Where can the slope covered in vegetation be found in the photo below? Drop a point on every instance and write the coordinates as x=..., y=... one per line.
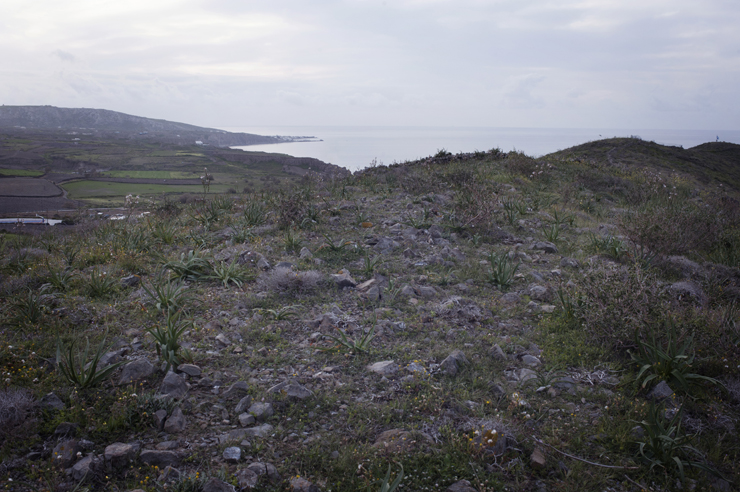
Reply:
x=483, y=321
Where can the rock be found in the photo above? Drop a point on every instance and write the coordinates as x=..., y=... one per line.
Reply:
x=427, y=292
x=278, y=387
x=232, y=454
x=539, y=293
x=232, y=435
x=569, y=263
x=216, y=485
x=223, y=340
x=545, y=246
x=243, y=404
x=461, y=486
x=343, y=279
x=565, y=382
x=159, y=418
x=112, y=357
x=537, y=459
x=417, y=369
x=263, y=430
x=305, y=254
x=86, y=467
x=295, y=390
x=520, y=375
x=130, y=281
x=65, y=453
x=400, y=440
x=497, y=353
x=236, y=389
x=510, y=298
x=261, y=411
x=263, y=264
x=190, y=370
x=687, y=267
x=660, y=392
x=637, y=432
x=366, y=285
x=119, y=454
x=173, y=386
x=158, y=458
x=267, y=469
x=246, y=420
x=687, y=289
x=169, y=474
x=247, y=478
x=299, y=484
x=176, y=422
x=531, y=360
x=66, y=429
x=136, y=370
x=384, y=368
x=496, y=389
x=373, y=294
x=167, y=445
x=453, y=363
x=385, y=245
x=408, y=291
x=51, y=402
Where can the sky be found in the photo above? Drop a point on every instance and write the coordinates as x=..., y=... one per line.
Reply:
x=662, y=64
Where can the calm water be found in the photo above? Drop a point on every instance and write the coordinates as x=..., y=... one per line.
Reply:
x=356, y=147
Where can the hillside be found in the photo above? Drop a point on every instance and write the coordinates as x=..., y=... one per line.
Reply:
x=474, y=322
x=718, y=161
x=100, y=168
x=106, y=122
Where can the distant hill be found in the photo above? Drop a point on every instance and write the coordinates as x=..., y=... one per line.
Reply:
x=103, y=120
x=712, y=160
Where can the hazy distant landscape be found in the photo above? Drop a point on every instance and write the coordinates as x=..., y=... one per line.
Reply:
x=97, y=158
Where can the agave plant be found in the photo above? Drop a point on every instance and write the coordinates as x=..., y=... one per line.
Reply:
x=78, y=371
x=667, y=361
x=167, y=338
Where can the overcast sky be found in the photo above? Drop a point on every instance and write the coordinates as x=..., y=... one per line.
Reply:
x=670, y=64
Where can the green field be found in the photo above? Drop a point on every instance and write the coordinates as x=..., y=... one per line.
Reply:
x=84, y=189
x=20, y=172
x=151, y=174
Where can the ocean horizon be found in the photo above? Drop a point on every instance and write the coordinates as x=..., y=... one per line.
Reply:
x=357, y=147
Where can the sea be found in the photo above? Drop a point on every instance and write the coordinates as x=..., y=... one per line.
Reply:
x=358, y=147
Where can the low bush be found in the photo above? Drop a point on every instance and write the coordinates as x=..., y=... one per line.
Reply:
x=285, y=280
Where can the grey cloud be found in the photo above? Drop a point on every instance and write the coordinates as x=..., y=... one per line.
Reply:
x=64, y=56
x=519, y=93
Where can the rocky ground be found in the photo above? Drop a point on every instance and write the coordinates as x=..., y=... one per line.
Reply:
x=465, y=322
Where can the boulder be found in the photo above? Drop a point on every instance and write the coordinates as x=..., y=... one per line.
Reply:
x=119, y=454
x=216, y=485
x=343, y=279
x=153, y=457
x=86, y=467
x=136, y=370
x=384, y=368
x=173, y=386
x=453, y=363
x=261, y=411
x=176, y=422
